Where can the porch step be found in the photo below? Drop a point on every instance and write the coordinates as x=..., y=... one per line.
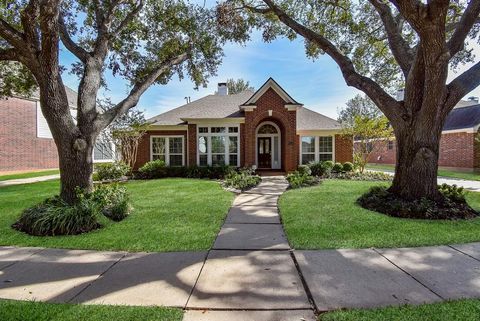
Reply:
x=271, y=173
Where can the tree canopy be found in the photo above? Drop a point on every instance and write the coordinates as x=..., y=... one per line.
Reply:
x=358, y=106
x=238, y=85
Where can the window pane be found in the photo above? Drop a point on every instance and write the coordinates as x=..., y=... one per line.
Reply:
x=233, y=129
x=217, y=129
x=233, y=160
x=161, y=157
x=202, y=144
x=233, y=146
x=203, y=129
x=218, y=160
x=203, y=160
x=325, y=144
x=325, y=157
x=308, y=144
x=307, y=158
x=176, y=160
x=175, y=145
x=158, y=145
x=218, y=144
x=267, y=129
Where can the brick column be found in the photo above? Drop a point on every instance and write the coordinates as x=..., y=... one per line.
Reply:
x=192, y=145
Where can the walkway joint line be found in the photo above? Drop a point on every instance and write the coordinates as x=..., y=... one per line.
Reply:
x=304, y=283
x=460, y=251
x=410, y=275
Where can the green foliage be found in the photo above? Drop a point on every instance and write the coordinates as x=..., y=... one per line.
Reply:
x=153, y=169
x=297, y=180
x=328, y=165
x=319, y=168
x=379, y=199
x=358, y=106
x=304, y=170
x=242, y=180
x=237, y=86
x=56, y=217
x=337, y=168
x=452, y=192
x=157, y=169
x=111, y=171
x=348, y=167
x=359, y=176
x=113, y=201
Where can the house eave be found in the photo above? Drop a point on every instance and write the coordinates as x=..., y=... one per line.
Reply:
x=226, y=120
x=167, y=127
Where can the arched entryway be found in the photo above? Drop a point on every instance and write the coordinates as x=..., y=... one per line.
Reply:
x=268, y=148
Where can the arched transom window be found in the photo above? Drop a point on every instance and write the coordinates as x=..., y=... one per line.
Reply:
x=267, y=129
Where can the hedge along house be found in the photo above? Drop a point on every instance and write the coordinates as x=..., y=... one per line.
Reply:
x=267, y=129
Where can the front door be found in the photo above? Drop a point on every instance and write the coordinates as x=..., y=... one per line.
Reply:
x=264, y=152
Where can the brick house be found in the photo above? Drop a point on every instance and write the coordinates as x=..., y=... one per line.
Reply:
x=458, y=146
x=267, y=129
x=26, y=142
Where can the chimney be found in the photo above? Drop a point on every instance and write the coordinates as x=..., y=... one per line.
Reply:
x=222, y=89
x=473, y=99
x=400, y=94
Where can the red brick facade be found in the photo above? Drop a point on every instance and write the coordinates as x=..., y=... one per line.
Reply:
x=343, y=149
x=457, y=150
x=21, y=149
x=143, y=153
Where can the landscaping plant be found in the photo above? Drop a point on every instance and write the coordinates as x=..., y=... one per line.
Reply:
x=243, y=179
x=113, y=201
x=298, y=179
x=111, y=171
x=158, y=169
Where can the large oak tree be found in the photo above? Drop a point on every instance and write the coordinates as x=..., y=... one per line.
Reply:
x=144, y=41
x=379, y=45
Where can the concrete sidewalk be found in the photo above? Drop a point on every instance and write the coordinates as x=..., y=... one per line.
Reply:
x=250, y=274
x=30, y=180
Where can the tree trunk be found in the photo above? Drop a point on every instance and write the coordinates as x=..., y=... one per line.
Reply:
x=417, y=163
x=76, y=169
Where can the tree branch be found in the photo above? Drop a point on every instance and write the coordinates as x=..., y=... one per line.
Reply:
x=390, y=107
x=11, y=35
x=463, y=27
x=9, y=54
x=74, y=48
x=462, y=85
x=398, y=45
x=130, y=16
x=29, y=18
x=140, y=87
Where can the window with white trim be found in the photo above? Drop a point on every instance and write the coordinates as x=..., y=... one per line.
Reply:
x=103, y=151
x=169, y=149
x=218, y=145
x=316, y=149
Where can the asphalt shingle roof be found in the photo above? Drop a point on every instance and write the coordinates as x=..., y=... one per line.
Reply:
x=311, y=120
x=463, y=117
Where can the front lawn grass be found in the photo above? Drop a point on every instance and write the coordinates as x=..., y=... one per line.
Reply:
x=169, y=215
x=327, y=217
x=39, y=311
x=461, y=310
x=441, y=172
x=29, y=174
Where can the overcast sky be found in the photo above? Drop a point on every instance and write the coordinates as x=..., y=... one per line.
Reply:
x=319, y=84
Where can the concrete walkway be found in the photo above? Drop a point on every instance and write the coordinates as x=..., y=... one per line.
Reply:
x=30, y=180
x=250, y=274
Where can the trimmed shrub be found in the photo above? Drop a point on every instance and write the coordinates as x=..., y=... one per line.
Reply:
x=357, y=176
x=113, y=201
x=297, y=180
x=304, y=170
x=379, y=199
x=111, y=171
x=317, y=168
x=348, y=167
x=452, y=192
x=242, y=180
x=153, y=169
x=56, y=217
x=157, y=169
x=328, y=165
x=337, y=168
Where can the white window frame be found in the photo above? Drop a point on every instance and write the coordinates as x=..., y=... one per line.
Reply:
x=167, y=147
x=105, y=160
x=317, y=147
x=227, y=135
x=272, y=136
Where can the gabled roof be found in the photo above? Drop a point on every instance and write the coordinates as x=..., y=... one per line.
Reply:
x=463, y=117
x=311, y=120
x=270, y=83
x=211, y=106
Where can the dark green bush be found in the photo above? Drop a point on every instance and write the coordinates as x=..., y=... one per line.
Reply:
x=297, y=180
x=348, y=167
x=304, y=170
x=153, y=169
x=242, y=180
x=380, y=199
x=328, y=164
x=337, y=168
x=452, y=192
x=317, y=168
x=357, y=176
x=113, y=201
x=56, y=217
x=111, y=171
x=157, y=169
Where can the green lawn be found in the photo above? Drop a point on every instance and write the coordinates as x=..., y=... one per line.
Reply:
x=441, y=172
x=29, y=174
x=169, y=215
x=461, y=310
x=37, y=311
x=327, y=217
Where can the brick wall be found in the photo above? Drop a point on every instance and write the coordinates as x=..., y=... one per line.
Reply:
x=20, y=148
x=343, y=148
x=457, y=150
x=286, y=121
x=192, y=145
x=143, y=153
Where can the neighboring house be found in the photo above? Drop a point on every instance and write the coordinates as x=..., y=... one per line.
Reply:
x=459, y=148
x=267, y=129
x=26, y=142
